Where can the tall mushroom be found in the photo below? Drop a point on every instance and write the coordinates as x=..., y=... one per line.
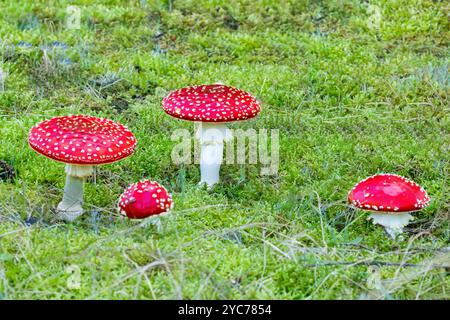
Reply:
x=213, y=105
x=81, y=142
x=390, y=198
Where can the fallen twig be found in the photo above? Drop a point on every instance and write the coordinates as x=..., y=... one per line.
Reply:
x=373, y=263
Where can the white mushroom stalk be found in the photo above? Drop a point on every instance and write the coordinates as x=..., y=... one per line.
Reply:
x=392, y=223
x=212, y=136
x=70, y=207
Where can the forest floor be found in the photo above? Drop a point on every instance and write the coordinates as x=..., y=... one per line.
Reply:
x=353, y=90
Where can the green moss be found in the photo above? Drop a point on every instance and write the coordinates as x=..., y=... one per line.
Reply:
x=349, y=100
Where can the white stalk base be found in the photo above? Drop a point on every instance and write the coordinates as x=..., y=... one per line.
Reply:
x=154, y=220
x=211, y=136
x=157, y=223
x=70, y=207
x=392, y=223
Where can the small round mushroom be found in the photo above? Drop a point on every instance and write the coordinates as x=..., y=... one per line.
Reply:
x=213, y=105
x=145, y=199
x=81, y=142
x=390, y=198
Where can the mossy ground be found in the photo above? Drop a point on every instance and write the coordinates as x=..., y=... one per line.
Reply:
x=354, y=89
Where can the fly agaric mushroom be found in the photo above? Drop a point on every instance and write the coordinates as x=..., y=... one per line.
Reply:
x=213, y=105
x=145, y=199
x=390, y=198
x=81, y=142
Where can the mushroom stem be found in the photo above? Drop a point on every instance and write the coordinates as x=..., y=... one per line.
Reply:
x=70, y=207
x=392, y=223
x=157, y=223
x=211, y=136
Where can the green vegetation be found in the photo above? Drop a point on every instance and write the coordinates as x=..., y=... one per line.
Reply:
x=351, y=94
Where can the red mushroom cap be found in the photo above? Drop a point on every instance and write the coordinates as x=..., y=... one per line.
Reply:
x=81, y=139
x=388, y=193
x=211, y=103
x=144, y=199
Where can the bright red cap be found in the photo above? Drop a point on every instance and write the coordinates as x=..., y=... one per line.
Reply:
x=388, y=193
x=144, y=199
x=211, y=103
x=80, y=139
